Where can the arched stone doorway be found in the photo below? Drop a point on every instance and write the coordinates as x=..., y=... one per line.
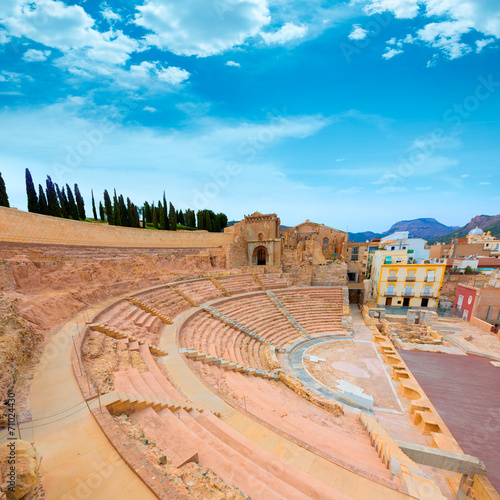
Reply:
x=260, y=256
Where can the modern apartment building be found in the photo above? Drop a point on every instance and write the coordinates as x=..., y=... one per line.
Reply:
x=398, y=280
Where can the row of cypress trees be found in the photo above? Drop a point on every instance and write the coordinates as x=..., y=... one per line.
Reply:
x=69, y=204
x=53, y=200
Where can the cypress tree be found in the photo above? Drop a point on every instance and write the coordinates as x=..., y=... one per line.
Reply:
x=208, y=221
x=108, y=207
x=190, y=218
x=101, y=212
x=63, y=202
x=43, y=207
x=131, y=216
x=201, y=219
x=4, y=199
x=31, y=192
x=223, y=221
x=80, y=203
x=116, y=211
x=72, y=208
x=172, y=218
x=165, y=209
x=52, y=199
x=216, y=224
x=162, y=218
x=123, y=211
x=180, y=218
x=148, y=213
x=155, y=218
x=93, y=206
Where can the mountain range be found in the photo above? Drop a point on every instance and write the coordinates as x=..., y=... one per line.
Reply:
x=425, y=228
x=485, y=222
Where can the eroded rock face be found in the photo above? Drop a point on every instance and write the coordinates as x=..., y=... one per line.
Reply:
x=18, y=469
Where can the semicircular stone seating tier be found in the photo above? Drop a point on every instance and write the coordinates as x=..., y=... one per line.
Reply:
x=227, y=339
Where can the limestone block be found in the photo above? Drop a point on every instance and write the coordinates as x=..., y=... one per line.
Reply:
x=18, y=469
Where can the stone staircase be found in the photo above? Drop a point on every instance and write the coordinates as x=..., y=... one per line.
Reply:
x=259, y=282
x=227, y=364
x=145, y=307
x=118, y=403
x=287, y=315
x=226, y=319
x=220, y=287
x=110, y=331
x=418, y=484
x=184, y=296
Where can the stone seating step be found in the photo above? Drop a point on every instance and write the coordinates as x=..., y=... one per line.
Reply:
x=307, y=484
x=245, y=462
x=184, y=296
x=226, y=364
x=418, y=484
x=114, y=333
x=151, y=310
x=171, y=431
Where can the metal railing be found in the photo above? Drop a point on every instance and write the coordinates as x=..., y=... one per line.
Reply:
x=410, y=278
x=427, y=279
x=392, y=278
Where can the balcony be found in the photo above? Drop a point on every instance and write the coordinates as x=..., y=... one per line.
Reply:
x=428, y=279
x=390, y=294
x=410, y=278
x=408, y=294
x=430, y=295
x=392, y=278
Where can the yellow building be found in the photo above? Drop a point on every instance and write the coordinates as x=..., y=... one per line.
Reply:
x=398, y=280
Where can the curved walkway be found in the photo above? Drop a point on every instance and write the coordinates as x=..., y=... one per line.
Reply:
x=78, y=462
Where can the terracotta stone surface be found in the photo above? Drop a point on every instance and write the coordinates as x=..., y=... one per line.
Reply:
x=466, y=392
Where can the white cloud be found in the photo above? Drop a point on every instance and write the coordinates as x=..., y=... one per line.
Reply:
x=4, y=37
x=451, y=20
x=464, y=176
x=485, y=183
x=357, y=33
x=390, y=53
x=71, y=30
x=33, y=55
x=424, y=188
x=391, y=189
x=446, y=36
x=232, y=63
x=110, y=15
x=199, y=27
x=149, y=109
x=286, y=33
x=173, y=75
x=481, y=44
x=11, y=76
x=402, y=9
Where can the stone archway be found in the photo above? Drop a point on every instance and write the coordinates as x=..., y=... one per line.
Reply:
x=260, y=256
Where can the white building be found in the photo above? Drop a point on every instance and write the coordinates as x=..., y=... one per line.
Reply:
x=400, y=240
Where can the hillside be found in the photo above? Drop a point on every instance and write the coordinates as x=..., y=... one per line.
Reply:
x=419, y=228
x=485, y=222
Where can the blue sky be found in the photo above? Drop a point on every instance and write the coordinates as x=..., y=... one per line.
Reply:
x=354, y=114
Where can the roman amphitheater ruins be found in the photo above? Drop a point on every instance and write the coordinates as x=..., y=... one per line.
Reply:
x=200, y=365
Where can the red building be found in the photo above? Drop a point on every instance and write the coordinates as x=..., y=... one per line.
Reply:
x=465, y=298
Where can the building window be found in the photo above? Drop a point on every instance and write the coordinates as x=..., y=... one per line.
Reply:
x=354, y=257
x=355, y=250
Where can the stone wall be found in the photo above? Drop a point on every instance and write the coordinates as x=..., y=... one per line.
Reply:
x=24, y=227
x=330, y=275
